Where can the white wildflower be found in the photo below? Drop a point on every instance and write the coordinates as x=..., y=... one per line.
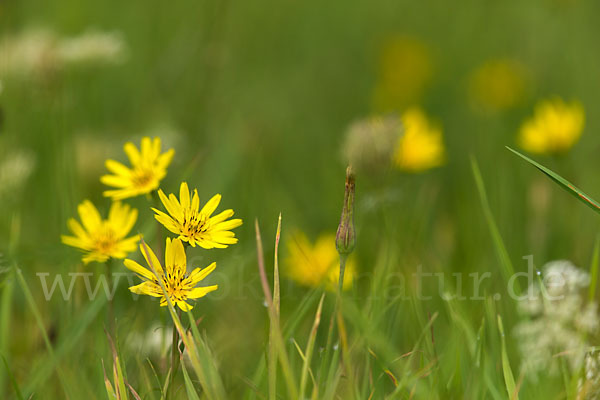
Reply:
x=107, y=47
x=559, y=322
x=39, y=52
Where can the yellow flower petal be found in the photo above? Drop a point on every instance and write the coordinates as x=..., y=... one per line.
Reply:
x=185, y=307
x=153, y=262
x=198, y=292
x=147, y=288
x=184, y=195
x=138, y=269
x=199, y=274
x=90, y=217
x=132, y=153
x=212, y=205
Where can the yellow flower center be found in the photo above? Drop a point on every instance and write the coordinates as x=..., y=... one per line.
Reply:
x=173, y=282
x=142, y=177
x=105, y=240
x=194, y=224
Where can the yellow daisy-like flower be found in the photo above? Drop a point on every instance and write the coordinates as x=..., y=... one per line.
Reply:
x=179, y=285
x=102, y=239
x=421, y=146
x=196, y=226
x=555, y=127
x=148, y=168
x=316, y=264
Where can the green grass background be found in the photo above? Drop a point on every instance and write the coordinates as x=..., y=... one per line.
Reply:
x=258, y=95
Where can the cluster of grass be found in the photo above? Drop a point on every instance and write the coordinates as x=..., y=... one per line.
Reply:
x=255, y=97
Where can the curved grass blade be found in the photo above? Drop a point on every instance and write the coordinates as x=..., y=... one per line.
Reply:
x=565, y=184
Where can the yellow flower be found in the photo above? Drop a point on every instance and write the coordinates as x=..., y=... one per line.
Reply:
x=498, y=84
x=102, y=239
x=179, y=285
x=195, y=226
x=405, y=68
x=148, y=168
x=555, y=127
x=318, y=264
x=421, y=146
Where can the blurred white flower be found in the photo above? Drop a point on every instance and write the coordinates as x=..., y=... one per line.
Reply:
x=370, y=143
x=92, y=47
x=31, y=52
x=37, y=52
x=156, y=341
x=559, y=320
x=15, y=169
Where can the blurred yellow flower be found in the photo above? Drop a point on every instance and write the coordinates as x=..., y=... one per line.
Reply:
x=555, y=127
x=498, y=84
x=101, y=239
x=318, y=264
x=195, y=226
x=421, y=146
x=179, y=285
x=405, y=68
x=149, y=167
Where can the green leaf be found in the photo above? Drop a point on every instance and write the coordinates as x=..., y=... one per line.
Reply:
x=565, y=184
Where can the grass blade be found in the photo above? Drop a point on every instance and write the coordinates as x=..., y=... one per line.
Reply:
x=189, y=386
x=507, y=267
x=5, y=317
x=562, y=182
x=310, y=347
x=12, y=379
x=509, y=379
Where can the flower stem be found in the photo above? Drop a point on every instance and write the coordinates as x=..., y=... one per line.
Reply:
x=174, y=359
x=111, y=310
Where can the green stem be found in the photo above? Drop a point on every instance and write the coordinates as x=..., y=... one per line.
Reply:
x=174, y=358
x=326, y=362
x=111, y=310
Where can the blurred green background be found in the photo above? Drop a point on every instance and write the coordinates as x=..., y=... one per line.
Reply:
x=256, y=98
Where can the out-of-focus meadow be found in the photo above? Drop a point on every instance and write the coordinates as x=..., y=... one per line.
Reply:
x=266, y=103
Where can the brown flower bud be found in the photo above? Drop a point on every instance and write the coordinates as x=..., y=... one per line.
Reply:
x=345, y=239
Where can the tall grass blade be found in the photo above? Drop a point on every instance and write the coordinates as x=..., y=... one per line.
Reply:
x=509, y=379
x=189, y=386
x=507, y=267
x=562, y=182
x=310, y=348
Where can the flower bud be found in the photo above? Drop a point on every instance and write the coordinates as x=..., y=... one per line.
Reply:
x=345, y=239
